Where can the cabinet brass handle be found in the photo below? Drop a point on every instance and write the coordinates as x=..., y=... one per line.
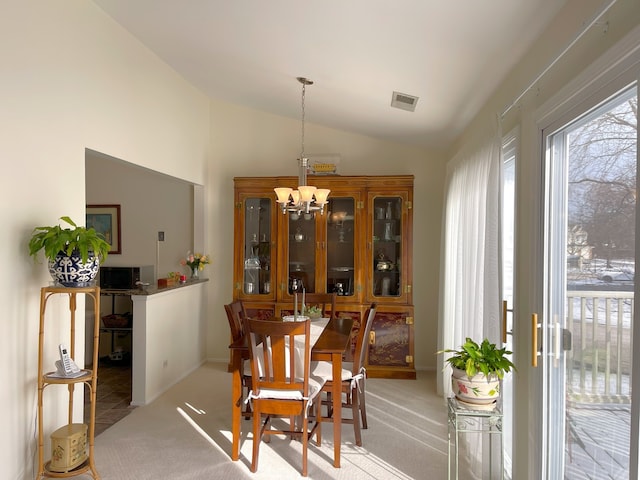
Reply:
x=372, y=337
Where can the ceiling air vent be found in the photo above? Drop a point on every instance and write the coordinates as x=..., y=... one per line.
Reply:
x=404, y=101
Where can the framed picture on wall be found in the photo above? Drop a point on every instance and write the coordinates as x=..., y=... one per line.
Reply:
x=106, y=220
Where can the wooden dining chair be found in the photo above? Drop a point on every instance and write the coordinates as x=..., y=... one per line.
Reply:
x=353, y=380
x=275, y=391
x=326, y=302
x=236, y=315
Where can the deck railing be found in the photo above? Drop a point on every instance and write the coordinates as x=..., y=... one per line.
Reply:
x=601, y=351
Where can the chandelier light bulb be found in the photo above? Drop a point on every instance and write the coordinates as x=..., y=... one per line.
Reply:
x=283, y=194
x=306, y=193
x=321, y=195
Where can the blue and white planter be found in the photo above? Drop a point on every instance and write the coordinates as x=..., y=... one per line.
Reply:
x=69, y=271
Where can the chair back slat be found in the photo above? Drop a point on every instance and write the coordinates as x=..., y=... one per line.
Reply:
x=360, y=354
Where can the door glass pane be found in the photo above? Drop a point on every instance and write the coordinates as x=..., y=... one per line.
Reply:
x=340, y=245
x=589, y=352
x=257, y=246
x=387, y=243
x=302, y=252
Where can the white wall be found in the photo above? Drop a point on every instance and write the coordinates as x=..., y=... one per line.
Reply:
x=250, y=143
x=70, y=79
x=623, y=17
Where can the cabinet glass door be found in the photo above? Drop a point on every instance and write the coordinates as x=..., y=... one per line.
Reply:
x=302, y=252
x=341, y=246
x=387, y=247
x=257, y=246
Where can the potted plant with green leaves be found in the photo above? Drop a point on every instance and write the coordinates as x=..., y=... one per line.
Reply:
x=477, y=370
x=74, y=253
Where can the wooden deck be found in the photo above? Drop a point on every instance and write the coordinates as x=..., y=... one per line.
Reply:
x=597, y=441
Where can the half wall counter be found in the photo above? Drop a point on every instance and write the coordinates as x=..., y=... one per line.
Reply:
x=169, y=338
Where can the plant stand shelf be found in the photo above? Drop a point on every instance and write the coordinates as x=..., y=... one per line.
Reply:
x=464, y=418
x=88, y=378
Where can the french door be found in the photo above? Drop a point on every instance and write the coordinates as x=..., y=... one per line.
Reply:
x=586, y=327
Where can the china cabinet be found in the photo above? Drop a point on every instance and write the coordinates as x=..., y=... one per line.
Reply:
x=360, y=246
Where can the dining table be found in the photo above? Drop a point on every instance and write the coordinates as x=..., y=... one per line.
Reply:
x=333, y=341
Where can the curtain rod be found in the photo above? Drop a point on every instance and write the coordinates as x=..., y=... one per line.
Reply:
x=591, y=23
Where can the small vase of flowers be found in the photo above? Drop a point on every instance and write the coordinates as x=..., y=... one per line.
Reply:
x=196, y=262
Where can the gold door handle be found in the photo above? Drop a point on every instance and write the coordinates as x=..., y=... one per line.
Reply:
x=504, y=321
x=534, y=339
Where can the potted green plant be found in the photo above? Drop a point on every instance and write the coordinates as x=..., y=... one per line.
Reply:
x=312, y=311
x=74, y=253
x=477, y=370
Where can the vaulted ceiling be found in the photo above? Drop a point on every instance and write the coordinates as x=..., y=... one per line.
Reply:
x=452, y=54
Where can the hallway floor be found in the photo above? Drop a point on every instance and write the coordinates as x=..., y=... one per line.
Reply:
x=113, y=394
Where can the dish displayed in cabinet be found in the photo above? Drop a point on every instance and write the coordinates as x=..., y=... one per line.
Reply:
x=296, y=266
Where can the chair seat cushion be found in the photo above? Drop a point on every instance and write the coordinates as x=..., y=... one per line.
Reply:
x=325, y=370
x=315, y=386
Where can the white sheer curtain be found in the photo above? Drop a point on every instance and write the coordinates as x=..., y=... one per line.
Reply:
x=470, y=265
x=470, y=295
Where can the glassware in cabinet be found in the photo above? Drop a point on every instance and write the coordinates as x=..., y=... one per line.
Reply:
x=387, y=246
x=257, y=252
x=302, y=252
x=341, y=235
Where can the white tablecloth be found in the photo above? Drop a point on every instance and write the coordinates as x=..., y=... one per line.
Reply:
x=317, y=327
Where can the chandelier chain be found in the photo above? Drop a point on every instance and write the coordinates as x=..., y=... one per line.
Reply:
x=304, y=88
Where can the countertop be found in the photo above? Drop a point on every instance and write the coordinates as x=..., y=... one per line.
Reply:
x=150, y=290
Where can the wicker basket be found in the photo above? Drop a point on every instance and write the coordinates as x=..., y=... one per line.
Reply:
x=116, y=321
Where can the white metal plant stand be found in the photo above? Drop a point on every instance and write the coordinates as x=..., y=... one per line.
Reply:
x=465, y=418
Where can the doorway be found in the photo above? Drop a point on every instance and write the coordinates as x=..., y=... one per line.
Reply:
x=150, y=202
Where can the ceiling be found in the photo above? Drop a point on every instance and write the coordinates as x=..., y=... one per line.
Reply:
x=452, y=54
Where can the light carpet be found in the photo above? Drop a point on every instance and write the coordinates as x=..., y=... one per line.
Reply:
x=185, y=435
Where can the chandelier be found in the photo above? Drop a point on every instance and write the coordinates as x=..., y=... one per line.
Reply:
x=306, y=198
